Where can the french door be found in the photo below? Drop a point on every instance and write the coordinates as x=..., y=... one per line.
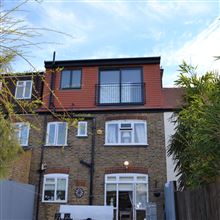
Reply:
x=128, y=194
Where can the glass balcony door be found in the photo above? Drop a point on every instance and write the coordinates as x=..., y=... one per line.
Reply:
x=120, y=86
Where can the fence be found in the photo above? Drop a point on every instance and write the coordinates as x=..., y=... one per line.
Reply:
x=16, y=200
x=202, y=204
x=170, y=200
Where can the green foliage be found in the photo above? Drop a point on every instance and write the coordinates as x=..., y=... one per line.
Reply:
x=196, y=144
x=9, y=146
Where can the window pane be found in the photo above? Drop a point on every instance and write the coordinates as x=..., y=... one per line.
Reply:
x=50, y=180
x=82, y=128
x=65, y=81
x=61, y=184
x=131, y=76
x=139, y=133
x=24, y=134
x=141, y=178
x=61, y=189
x=51, y=134
x=112, y=133
x=17, y=131
x=141, y=196
x=111, y=198
x=126, y=178
x=109, y=86
x=61, y=133
x=125, y=187
x=131, y=89
x=49, y=191
x=126, y=137
x=109, y=77
x=110, y=187
x=27, y=89
x=19, y=91
x=111, y=178
x=76, y=79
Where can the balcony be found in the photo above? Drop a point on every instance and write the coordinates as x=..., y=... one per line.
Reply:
x=120, y=94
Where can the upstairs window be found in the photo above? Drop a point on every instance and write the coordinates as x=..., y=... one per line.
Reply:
x=82, y=129
x=121, y=86
x=71, y=79
x=126, y=132
x=56, y=134
x=23, y=89
x=22, y=132
x=55, y=188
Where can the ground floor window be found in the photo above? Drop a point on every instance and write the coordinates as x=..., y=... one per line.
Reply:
x=55, y=188
x=128, y=194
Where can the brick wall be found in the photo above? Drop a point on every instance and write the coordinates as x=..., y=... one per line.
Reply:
x=145, y=159
x=20, y=168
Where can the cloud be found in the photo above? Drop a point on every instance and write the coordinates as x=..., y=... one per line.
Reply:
x=200, y=51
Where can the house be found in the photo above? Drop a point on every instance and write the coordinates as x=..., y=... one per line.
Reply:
x=100, y=137
x=21, y=94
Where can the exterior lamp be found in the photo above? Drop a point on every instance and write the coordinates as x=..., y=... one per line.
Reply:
x=126, y=164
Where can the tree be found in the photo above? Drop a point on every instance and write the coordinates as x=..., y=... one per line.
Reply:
x=15, y=38
x=9, y=147
x=195, y=146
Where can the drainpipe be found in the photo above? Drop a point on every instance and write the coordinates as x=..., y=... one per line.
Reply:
x=40, y=167
x=52, y=82
x=92, y=161
x=91, y=165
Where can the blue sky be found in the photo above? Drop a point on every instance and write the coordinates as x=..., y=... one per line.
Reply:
x=175, y=30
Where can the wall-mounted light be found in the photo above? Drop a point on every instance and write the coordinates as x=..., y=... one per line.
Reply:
x=99, y=131
x=126, y=164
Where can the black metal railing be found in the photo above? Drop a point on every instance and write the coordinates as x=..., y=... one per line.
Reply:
x=121, y=93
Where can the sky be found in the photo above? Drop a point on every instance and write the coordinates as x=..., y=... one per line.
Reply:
x=175, y=30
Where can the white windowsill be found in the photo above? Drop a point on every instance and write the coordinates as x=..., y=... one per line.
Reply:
x=23, y=98
x=125, y=144
x=58, y=201
x=57, y=145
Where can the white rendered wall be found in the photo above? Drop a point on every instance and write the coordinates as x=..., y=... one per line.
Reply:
x=169, y=130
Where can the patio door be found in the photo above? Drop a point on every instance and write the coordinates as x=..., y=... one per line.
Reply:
x=128, y=194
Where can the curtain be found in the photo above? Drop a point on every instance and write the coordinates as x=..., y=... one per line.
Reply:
x=24, y=134
x=19, y=90
x=109, y=93
x=28, y=89
x=51, y=134
x=61, y=133
x=139, y=133
x=141, y=195
x=112, y=133
x=130, y=194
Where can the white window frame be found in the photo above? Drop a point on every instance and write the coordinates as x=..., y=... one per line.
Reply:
x=56, y=176
x=56, y=134
x=134, y=181
x=119, y=122
x=20, y=125
x=24, y=89
x=78, y=129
